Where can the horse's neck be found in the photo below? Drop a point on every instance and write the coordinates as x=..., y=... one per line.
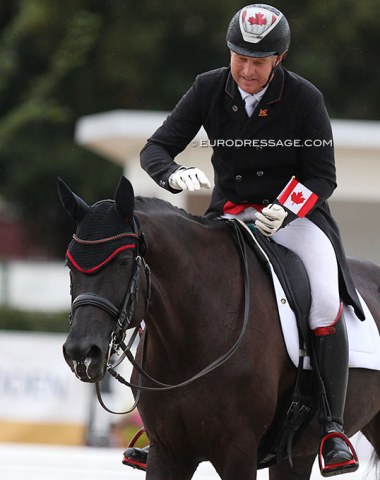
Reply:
x=197, y=284
x=197, y=307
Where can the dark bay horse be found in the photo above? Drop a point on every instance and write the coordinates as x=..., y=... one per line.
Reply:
x=195, y=315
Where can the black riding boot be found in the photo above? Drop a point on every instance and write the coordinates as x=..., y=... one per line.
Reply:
x=136, y=457
x=331, y=351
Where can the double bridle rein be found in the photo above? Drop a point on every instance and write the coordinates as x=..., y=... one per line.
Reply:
x=125, y=314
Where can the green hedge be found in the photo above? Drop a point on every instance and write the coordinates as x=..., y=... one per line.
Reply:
x=12, y=319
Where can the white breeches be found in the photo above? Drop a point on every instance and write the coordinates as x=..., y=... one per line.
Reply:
x=317, y=253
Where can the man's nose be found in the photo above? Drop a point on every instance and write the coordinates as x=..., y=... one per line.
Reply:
x=249, y=69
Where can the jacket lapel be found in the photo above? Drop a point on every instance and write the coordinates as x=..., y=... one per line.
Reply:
x=264, y=111
x=233, y=103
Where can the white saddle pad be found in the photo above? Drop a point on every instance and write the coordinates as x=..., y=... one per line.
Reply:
x=363, y=337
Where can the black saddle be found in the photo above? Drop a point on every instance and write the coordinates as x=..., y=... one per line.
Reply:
x=290, y=271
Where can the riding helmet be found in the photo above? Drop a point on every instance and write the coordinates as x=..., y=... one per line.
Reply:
x=258, y=30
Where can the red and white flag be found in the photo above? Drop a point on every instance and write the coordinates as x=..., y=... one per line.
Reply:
x=297, y=198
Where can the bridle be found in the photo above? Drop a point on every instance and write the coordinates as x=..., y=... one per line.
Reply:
x=125, y=314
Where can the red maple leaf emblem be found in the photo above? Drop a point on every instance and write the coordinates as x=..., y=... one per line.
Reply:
x=258, y=19
x=297, y=197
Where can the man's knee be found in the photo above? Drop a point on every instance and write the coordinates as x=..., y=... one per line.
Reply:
x=326, y=314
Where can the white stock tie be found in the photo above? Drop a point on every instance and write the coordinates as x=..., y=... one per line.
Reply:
x=250, y=104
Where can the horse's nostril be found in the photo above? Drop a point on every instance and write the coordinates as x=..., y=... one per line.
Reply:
x=75, y=351
x=80, y=351
x=95, y=353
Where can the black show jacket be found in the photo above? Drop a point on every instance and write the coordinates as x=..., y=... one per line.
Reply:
x=289, y=134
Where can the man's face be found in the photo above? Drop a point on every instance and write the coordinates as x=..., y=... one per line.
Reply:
x=252, y=74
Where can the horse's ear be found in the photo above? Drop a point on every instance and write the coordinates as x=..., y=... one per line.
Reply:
x=125, y=199
x=74, y=205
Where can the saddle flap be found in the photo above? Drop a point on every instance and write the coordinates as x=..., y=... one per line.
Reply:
x=290, y=272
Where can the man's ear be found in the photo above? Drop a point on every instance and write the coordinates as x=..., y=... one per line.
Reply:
x=281, y=58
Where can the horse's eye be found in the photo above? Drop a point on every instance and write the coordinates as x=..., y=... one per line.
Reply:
x=125, y=262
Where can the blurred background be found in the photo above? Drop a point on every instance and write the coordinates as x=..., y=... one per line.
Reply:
x=83, y=84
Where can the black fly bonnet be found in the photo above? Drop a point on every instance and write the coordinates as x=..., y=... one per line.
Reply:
x=101, y=235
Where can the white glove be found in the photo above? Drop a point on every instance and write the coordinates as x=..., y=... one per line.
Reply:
x=188, y=179
x=270, y=219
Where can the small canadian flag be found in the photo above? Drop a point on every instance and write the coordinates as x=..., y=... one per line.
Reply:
x=297, y=198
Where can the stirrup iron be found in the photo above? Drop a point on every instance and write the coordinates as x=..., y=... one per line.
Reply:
x=131, y=462
x=347, y=466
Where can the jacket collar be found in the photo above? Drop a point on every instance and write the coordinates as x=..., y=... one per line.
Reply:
x=264, y=111
x=272, y=95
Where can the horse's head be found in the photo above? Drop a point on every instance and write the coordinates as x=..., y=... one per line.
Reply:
x=104, y=258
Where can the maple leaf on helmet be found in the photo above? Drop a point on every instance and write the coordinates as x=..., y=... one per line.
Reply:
x=258, y=19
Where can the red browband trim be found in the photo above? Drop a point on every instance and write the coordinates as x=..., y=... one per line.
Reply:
x=93, y=269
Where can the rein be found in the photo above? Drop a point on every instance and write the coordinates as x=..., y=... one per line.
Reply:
x=217, y=363
x=124, y=317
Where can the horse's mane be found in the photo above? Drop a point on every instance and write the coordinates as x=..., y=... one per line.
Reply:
x=154, y=205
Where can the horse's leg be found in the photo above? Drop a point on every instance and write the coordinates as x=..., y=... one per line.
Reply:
x=301, y=469
x=236, y=458
x=372, y=433
x=164, y=466
x=237, y=466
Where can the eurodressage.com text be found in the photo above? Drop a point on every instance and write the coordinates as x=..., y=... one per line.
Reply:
x=261, y=143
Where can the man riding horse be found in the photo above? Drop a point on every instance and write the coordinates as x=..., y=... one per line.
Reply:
x=267, y=124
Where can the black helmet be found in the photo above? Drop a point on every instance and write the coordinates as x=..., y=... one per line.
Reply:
x=258, y=30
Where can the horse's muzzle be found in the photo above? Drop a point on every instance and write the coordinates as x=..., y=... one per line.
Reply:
x=87, y=364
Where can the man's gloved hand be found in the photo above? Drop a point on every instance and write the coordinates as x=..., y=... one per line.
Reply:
x=188, y=179
x=270, y=219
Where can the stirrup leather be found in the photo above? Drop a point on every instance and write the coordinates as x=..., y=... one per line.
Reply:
x=341, y=467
